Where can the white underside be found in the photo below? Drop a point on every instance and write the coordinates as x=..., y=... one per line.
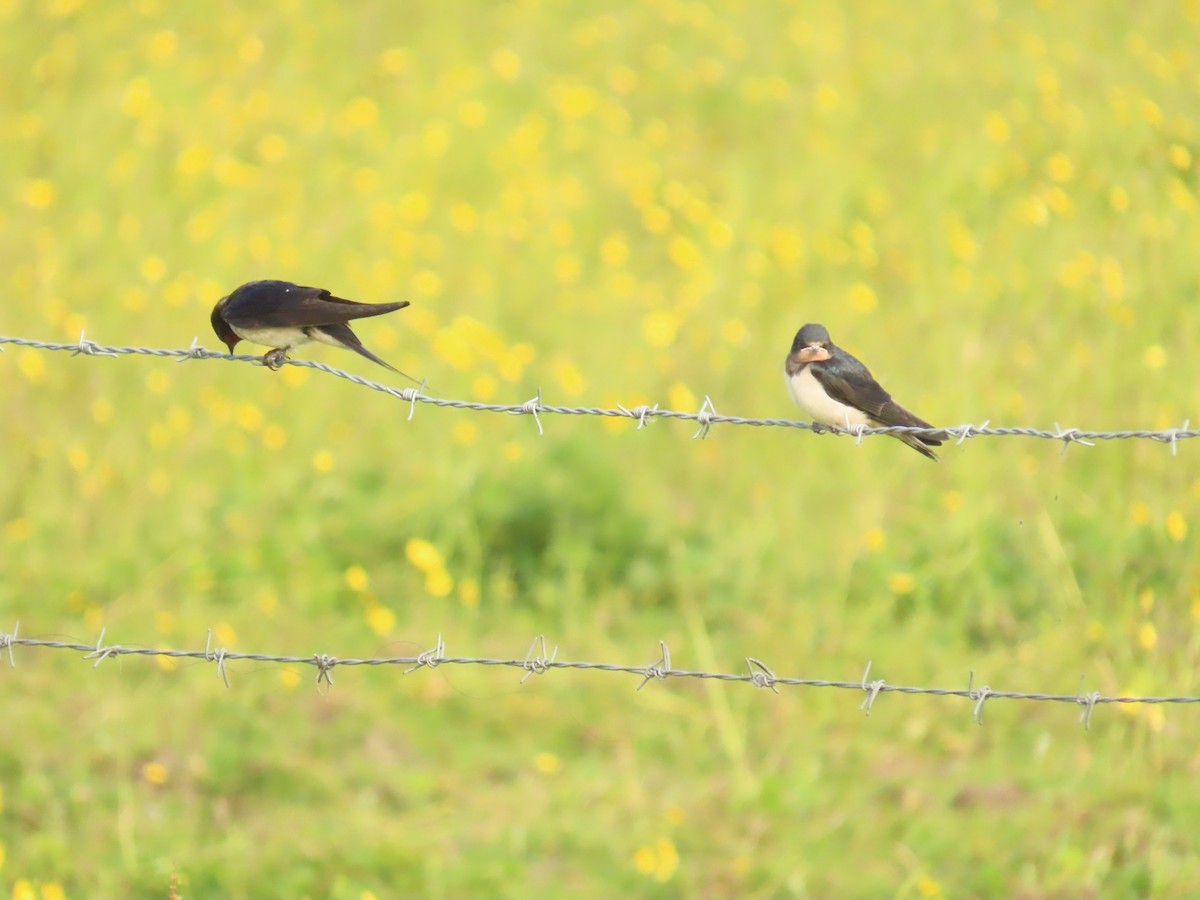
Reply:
x=820, y=407
x=280, y=338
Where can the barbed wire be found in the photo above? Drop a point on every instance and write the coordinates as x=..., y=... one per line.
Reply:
x=538, y=662
x=706, y=417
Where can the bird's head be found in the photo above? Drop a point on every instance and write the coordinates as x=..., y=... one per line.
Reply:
x=812, y=344
x=227, y=335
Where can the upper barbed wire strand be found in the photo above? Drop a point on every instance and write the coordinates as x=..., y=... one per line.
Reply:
x=706, y=416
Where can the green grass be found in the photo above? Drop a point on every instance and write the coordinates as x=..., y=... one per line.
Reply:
x=993, y=204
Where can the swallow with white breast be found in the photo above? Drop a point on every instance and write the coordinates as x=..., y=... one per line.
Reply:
x=836, y=389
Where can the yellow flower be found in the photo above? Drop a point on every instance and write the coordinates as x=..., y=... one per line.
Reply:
x=155, y=772
x=734, y=331
x=1155, y=356
x=361, y=112
x=874, y=539
x=322, y=461
x=901, y=583
x=659, y=328
x=381, y=620
x=31, y=365
x=680, y=397
x=787, y=246
x=272, y=148
x=16, y=530
x=161, y=45
x=684, y=253
x=394, y=60
x=267, y=600
x=463, y=433
x=827, y=97
x=463, y=217
x=153, y=269
x=861, y=297
x=249, y=416
x=1151, y=112
x=413, y=207
x=1177, y=526
x=39, y=193
x=77, y=456
x=668, y=860
x=365, y=180
x=1060, y=168
x=274, y=437
x=468, y=592
x=506, y=64
x=656, y=219
x=547, y=763
x=928, y=887
x=357, y=579
x=645, y=860
x=995, y=126
x=614, y=250
x=570, y=379
x=427, y=283
x=1147, y=636
x=439, y=583
x=423, y=555
x=472, y=113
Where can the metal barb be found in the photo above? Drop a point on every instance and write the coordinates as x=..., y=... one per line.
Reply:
x=968, y=428
x=429, y=658
x=7, y=640
x=194, y=351
x=705, y=417
x=412, y=395
x=639, y=413
x=539, y=663
x=660, y=669
x=530, y=408
x=324, y=663
x=1089, y=703
x=980, y=697
x=1174, y=432
x=101, y=653
x=1069, y=436
x=872, y=688
x=760, y=675
x=217, y=656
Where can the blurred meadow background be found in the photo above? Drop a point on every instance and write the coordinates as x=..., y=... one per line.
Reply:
x=994, y=205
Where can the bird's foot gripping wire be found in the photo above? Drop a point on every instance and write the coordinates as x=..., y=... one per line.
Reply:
x=273, y=359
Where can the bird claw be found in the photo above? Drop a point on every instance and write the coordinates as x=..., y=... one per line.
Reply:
x=273, y=359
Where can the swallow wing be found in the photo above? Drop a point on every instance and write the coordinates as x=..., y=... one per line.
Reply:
x=848, y=381
x=275, y=304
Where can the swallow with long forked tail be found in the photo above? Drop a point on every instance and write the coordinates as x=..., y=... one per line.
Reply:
x=283, y=315
x=836, y=389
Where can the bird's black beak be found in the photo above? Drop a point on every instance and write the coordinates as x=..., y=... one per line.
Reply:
x=812, y=353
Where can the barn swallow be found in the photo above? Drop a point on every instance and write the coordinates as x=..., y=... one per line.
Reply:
x=834, y=388
x=283, y=315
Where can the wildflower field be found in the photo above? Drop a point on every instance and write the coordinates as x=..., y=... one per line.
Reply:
x=993, y=204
